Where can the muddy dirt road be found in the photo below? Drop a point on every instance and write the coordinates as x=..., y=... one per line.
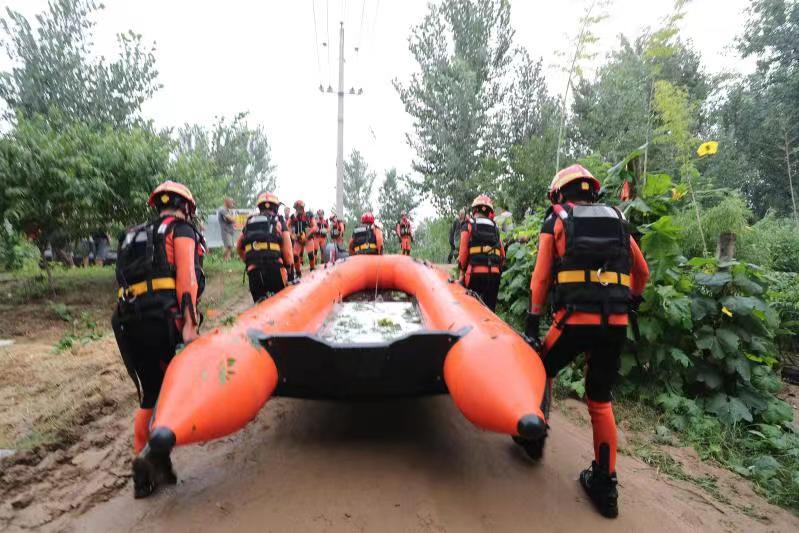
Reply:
x=409, y=465
x=406, y=465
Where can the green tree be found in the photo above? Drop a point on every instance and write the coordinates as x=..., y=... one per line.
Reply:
x=359, y=183
x=396, y=195
x=462, y=48
x=581, y=51
x=760, y=118
x=612, y=115
x=54, y=67
x=240, y=156
x=62, y=183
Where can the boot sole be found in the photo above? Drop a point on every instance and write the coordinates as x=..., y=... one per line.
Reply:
x=143, y=478
x=608, y=508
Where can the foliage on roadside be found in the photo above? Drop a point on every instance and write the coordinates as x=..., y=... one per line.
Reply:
x=708, y=349
x=431, y=240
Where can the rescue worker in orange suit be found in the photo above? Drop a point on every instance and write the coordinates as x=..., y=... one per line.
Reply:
x=367, y=239
x=159, y=271
x=481, y=254
x=303, y=229
x=265, y=247
x=322, y=229
x=337, y=228
x=594, y=274
x=403, y=231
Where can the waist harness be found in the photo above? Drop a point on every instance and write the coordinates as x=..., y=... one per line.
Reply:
x=484, y=243
x=594, y=273
x=364, y=240
x=300, y=226
x=262, y=240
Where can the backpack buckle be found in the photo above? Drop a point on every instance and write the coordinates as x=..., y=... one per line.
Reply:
x=599, y=277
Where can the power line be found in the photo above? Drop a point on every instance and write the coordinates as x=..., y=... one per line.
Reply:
x=316, y=43
x=360, y=30
x=327, y=30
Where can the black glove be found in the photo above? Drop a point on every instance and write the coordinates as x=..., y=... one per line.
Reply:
x=532, y=326
x=290, y=275
x=635, y=302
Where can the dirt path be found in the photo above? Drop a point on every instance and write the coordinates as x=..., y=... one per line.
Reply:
x=410, y=465
x=403, y=465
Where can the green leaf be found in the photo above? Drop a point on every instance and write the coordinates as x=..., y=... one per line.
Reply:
x=740, y=365
x=709, y=376
x=778, y=412
x=743, y=305
x=729, y=409
x=728, y=340
x=708, y=340
x=715, y=281
x=746, y=285
x=702, y=306
x=627, y=362
x=680, y=356
x=657, y=184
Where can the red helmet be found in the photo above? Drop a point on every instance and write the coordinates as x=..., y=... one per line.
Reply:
x=569, y=175
x=162, y=196
x=368, y=218
x=299, y=204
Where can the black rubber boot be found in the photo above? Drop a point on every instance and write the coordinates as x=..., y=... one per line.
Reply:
x=144, y=477
x=600, y=485
x=153, y=466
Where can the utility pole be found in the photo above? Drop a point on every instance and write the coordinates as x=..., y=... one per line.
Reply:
x=340, y=123
x=340, y=144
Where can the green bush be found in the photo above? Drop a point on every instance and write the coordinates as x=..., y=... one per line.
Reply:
x=16, y=252
x=772, y=242
x=731, y=215
x=431, y=240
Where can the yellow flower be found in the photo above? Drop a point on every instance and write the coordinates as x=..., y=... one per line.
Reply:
x=726, y=311
x=677, y=194
x=707, y=148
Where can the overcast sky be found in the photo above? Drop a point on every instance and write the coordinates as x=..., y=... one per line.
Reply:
x=222, y=57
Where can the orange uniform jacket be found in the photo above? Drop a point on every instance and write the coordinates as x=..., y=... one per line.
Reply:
x=551, y=245
x=285, y=247
x=463, y=257
x=181, y=251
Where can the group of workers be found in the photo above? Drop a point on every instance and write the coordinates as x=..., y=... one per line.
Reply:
x=273, y=246
x=588, y=267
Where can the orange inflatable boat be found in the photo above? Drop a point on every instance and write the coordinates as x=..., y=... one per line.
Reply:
x=217, y=384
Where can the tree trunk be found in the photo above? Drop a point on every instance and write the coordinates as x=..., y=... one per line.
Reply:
x=790, y=175
x=726, y=247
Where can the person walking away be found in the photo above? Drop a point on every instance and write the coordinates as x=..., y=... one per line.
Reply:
x=455, y=235
x=367, y=239
x=265, y=247
x=403, y=231
x=102, y=242
x=336, y=236
x=159, y=271
x=303, y=227
x=481, y=253
x=594, y=274
x=322, y=231
x=227, y=226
